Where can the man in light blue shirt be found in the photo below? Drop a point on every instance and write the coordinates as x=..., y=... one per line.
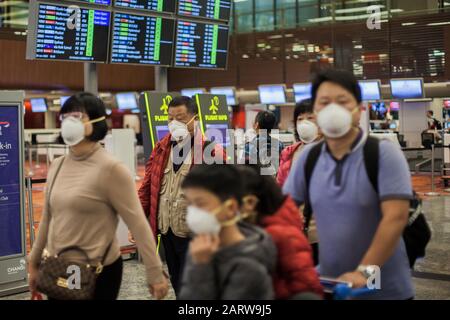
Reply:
x=357, y=227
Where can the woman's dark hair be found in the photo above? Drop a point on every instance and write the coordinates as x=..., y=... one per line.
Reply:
x=266, y=120
x=265, y=188
x=224, y=181
x=184, y=101
x=302, y=107
x=93, y=107
x=343, y=78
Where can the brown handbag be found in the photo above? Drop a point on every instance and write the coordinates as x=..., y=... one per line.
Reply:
x=62, y=279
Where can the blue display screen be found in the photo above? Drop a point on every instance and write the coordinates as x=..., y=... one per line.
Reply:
x=38, y=105
x=272, y=94
x=69, y=33
x=228, y=92
x=407, y=88
x=162, y=131
x=211, y=9
x=153, y=5
x=126, y=101
x=64, y=99
x=102, y=2
x=370, y=90
x=191, y=92
x=218, y=133
x=10, y=202
x=302, y=91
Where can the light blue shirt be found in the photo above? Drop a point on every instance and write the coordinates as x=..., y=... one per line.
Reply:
x=347, y=211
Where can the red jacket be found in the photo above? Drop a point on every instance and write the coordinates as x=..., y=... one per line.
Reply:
x=154, y=173
x=286, y=162
x=295, y=268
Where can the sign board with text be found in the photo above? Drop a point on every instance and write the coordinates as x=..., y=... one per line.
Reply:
x=13, y=271
x=154, y=116
x=214, y=117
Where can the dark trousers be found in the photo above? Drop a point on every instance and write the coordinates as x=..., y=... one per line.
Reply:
x=108, y=282
x=175, y=250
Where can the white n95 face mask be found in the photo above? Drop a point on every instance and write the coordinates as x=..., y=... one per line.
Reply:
x=178, y=130
x=335, y=121
x=72, y=130
x=200, y=221
x=307, y=131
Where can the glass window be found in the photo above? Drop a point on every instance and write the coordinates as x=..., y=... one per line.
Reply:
x=308, y=12
x=264, y=15
x=244, y=23
x=244, y=15
x=14, y=14
x=286, y=16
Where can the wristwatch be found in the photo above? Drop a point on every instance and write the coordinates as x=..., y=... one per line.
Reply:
x=367, y=270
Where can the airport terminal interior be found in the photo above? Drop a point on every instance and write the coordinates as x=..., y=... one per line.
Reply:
x=235, y=60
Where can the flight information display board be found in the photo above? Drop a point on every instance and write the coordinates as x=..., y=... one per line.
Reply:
x=153, y=5
x=201, y=45
x=141, y=39
x=102, y=2
x=211, y=9
x=60, y=32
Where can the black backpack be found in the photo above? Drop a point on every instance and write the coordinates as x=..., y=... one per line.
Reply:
x=417, y=233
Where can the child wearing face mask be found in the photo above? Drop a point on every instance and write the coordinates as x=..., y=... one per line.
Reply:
x=265, y=205
x=228, y=259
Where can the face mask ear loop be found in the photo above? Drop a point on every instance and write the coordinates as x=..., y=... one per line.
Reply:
x=97, y=120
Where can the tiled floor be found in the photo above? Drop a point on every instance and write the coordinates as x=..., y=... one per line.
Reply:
x=431, y=279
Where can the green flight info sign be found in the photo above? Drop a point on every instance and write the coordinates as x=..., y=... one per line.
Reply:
x=155, y=115
x=214, y=117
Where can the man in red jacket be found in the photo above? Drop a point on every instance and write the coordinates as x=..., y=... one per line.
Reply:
x=160, y=194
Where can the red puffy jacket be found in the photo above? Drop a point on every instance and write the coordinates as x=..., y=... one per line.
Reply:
x=286, y=162
x=295, y=268
x=154, y=172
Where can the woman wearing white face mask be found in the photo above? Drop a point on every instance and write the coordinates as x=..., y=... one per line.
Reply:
x=227, y=259
x=306, y=132
x=87, y=192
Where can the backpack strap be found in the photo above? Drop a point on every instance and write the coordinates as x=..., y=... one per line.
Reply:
x=371, y=153
x=311, y=161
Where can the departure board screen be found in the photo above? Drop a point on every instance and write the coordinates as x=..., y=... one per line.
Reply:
x=102, y=2
x=153, y=5
x=63, y=33
x=142, y=39
x=212, y=9
x=201, y=45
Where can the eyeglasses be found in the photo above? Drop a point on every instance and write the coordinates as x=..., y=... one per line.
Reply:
x=77, y=115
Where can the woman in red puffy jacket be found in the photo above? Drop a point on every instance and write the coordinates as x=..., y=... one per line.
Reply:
x=306, y=132
x=264, y=204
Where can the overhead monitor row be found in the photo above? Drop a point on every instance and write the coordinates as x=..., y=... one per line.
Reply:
x=412, y=88
x=125, y=38
x=208, y=9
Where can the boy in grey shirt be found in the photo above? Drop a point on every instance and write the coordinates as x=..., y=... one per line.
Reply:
x=227, y=259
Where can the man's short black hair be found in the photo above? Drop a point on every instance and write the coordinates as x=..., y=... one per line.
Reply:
x=431, y=112
x=184, y=101
x=343, y=78
x=266, y=120
x=302, y=107
x=94, y=107
x=224, y=181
